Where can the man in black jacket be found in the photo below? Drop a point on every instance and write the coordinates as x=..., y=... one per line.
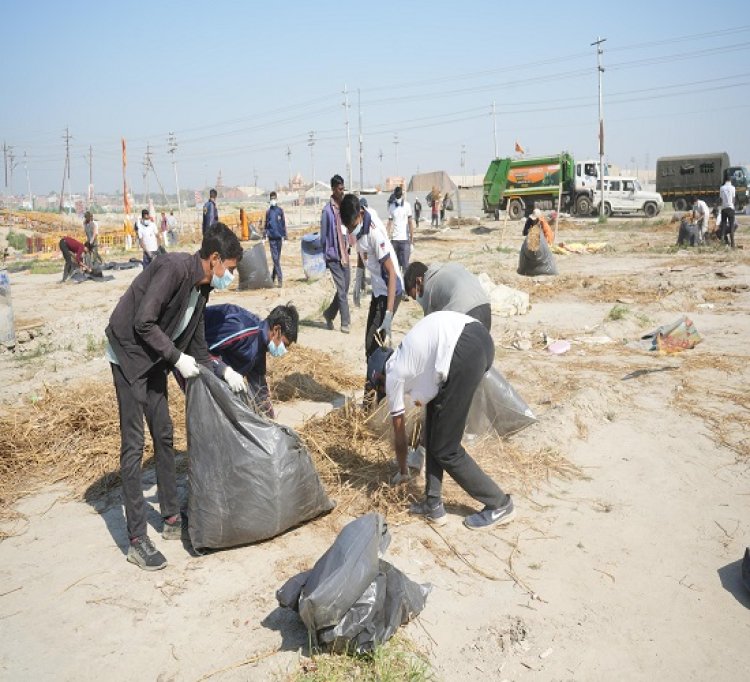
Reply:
x=158, y=325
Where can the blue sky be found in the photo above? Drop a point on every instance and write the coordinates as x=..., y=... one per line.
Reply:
x=239, y=83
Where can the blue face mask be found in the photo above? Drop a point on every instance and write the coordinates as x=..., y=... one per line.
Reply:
x=224, y=281
x=276, y=351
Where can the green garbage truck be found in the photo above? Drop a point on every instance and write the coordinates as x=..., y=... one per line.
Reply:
x=681, y=179
x=519, y=185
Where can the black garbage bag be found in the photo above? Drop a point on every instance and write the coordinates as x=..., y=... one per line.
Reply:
x=249, y=478
x=497, y=406
x=746, y=569
x=253, y=269
x=351, y=600
x=535, y=257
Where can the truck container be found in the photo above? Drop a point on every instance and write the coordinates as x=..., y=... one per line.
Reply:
x=518, y=185
x=682, y=179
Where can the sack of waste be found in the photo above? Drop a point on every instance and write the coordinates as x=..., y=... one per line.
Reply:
x=313, y=260
x=352, y=600
x=249, y=478
x=496, y=406
x=504, y=301
x=253, y=269
x=676, y=337
x=535, y=257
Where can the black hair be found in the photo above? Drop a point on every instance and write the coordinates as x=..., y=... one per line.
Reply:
x=288, y=318
x=349, y=209
x=212, y=194
x=144, y=212
x=398, y=192
x=220, y=239
x=272, y=195
x=415, y=269
x=336, y=180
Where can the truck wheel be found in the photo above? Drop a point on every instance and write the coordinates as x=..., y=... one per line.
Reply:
x=607, y=209
x=680, y=204
x=497, y=214
x=583, y=205
x=515, y=210
x=650, y=209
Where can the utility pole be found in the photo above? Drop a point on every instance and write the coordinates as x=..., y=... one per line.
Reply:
x=380, y=157
x=171, y=149
x=463, y=163
x=255, y=178
x=600, y=69
x=12, y=165
x=28, y=181
x=91, y=175
x=66, y=170
x=494, y=127
x=289, y=164
x=146, y=168
x=361, y=149
x=311, y=144
x=348, y=139
x=395, y=146
x=5, y=161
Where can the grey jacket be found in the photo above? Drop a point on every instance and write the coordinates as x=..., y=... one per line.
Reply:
x=450, y=286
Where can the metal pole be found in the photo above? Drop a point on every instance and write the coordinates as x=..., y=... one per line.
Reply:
x=91, y=175
x=395, y=145
x=172, y=142
x=28, y=181
x=600, y=69
x=348, y=140
x=289, y=163
x=311, y=144
x=494, y=127
x=361, y=149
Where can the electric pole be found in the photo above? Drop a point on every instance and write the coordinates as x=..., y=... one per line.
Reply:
x=171, y=149
x=255, y=178
x=5, y=161
x=146, y=168
x=28, y=181
x=66, y=170
x=380, y=157
x=91, y=175
x=463, y=163
x=289, y=164
x=395, y=146
x=348, y=139
x=361, y=149
x=494, y=127
x=12, y=165
x=600, y=69
x=311, y=144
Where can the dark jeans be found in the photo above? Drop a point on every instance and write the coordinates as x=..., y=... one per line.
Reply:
x=146, y=396
x=434, y=221
x=340, y=303
x=275, y=246
x=148, y=256
x=378, y=306
x=446, y=420
x=482, y=313
x=728, y=226
x=70, y=262
x=402, y=247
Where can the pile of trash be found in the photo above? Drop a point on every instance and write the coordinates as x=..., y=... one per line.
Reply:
x=504, y=301
x=535, y=257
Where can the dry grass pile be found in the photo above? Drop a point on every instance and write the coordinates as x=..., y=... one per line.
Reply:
x=322, y=379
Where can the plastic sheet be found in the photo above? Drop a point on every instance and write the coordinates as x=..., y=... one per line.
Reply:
x=313, y=259
x=496, y=406
x=250, y=478
x=253, y=269
x=536, y=262
x=352, y=600
x=7, y=325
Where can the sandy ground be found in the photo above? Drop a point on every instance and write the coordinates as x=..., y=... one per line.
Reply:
x=629, y=572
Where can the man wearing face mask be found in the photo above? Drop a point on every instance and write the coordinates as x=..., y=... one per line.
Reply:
x=274, y=229
x=448, y=286
x=158, y=326
x=401, y=227
x=241, y=340
x=374, y=247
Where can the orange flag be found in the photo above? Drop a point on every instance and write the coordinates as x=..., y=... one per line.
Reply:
x=519, y=148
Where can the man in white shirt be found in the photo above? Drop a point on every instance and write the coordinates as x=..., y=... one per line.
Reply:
x=148, y=237
x=172, y=228
x=401, y=227
x=440, y=363
x=728, y=226
x=374, y=248
x=700, y=217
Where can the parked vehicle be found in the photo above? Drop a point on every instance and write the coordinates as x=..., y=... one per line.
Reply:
x=625, y=195
x=681, y=179
x=518, y=185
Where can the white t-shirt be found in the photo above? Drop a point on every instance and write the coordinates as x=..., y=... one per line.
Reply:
x=420, y=364
x=375, y=247
x=727, y=193
x=147, y=234
x=400, y=216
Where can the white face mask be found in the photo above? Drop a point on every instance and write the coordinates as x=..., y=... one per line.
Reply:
x=355, y=232
x=273, y=202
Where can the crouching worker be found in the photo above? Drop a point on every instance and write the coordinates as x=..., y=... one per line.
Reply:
x=156, y=326
x=440, y=363
x=73, y=252
x=241, y=340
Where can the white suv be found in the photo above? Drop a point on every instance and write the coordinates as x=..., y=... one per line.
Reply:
x=625, y=195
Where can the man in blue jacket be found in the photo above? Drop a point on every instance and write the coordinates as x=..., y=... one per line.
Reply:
x=241, y=340
x=334, y=241
x=210, y=212
x=274, y=229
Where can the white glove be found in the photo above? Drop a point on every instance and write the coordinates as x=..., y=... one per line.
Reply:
x=385, y=328
x=357, y=293
x=187, y=366
x=415, y=458
x=398, y=478
x=235, y=380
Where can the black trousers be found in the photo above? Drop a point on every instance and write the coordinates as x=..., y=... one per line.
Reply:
x=446, y=420
x=274, y=246
x=375, y=316
x=341, y=275
x=145, y=397
x=728, y=226
x=70, y=261
x=482, y=313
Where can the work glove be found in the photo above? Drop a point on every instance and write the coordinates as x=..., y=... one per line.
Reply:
x=385, y=329
x=359, y=280
x=187, y=366
x=398, y=478
x=235, y=380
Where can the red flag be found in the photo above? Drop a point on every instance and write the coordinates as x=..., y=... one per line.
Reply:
x=519, y=148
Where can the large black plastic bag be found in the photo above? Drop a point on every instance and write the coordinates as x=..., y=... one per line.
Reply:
x=253, y=269
x=496, y=406
x=352, y=600
x=534, y=263
x=250, y=478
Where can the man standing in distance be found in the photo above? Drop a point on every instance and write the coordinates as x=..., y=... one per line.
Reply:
x=335, y=244
x=401, y=227
x=274, y=229
x=210, y=212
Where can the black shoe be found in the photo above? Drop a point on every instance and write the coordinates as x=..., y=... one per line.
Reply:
x=143, y=554
x=329, y=322
x=172, y=530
